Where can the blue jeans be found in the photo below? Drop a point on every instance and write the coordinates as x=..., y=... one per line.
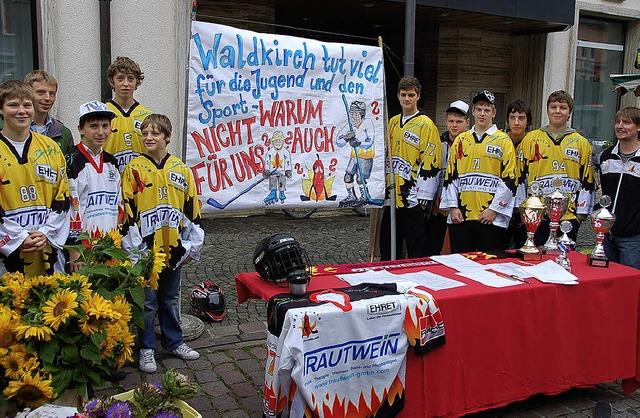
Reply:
x=164, y=301
x=623, y=250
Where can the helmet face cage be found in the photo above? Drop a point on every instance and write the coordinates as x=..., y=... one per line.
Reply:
x=277, y=256
x=208, y=302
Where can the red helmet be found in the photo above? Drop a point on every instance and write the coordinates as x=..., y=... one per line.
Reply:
x=207, y=301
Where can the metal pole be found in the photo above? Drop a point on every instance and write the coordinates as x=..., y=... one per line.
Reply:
x=409, y=36
x=105, y=48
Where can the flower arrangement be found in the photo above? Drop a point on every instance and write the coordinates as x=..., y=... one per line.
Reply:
x=148, y=401
x=68, y=330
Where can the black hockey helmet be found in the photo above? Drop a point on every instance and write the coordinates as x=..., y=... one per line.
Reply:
x=277, y=256
x=207, y=301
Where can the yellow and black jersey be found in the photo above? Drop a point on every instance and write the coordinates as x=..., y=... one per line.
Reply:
x=568, y=158
x=481, y=174
x=161, y=209
x=125, y=142
x=34, y=196
x=416, y=154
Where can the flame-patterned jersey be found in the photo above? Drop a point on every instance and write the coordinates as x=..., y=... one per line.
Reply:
x=567, y=157
x=34, y=196
x=161, y=209
x=481, y=174
x=416, y=154
x=96, y=197
x=125, y=142
x=342, y=352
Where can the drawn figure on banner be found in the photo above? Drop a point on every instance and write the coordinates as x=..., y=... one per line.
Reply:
x=359, y=133
x=318, y=185
x=277, y=169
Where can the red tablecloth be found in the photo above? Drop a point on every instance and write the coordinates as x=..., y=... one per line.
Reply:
x=506, y=344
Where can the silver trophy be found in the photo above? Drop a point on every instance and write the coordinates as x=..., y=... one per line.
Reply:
x=557, y=203
x=531, y=213
x=601, y=221
x=565, y=244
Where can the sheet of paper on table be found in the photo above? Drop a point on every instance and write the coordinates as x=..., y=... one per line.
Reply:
x=52, y=411
x=510, y=268
x=551, y=272
x=488, y=278
x=403, y=281
x=458, y=262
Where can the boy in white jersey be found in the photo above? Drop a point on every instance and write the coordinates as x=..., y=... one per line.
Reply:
x=34, y=191
x=94, y=179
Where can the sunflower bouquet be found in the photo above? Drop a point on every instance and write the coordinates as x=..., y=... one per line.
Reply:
x=67, y=331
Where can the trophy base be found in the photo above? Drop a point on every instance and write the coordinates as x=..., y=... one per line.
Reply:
x=530, y=256
x=598, y=262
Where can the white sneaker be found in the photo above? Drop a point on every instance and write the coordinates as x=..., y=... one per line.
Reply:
x=185, y=352
x=147, y=360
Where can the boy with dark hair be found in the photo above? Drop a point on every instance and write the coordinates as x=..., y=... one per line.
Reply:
x=519, y=121
x=45, y=89
x=34, y=191
x=125, y=143
x=457, y=121
x=619, y=169
x=416, y=159
x=480, y=184
x=162, y=213
x=557, y=151
x=94, y=178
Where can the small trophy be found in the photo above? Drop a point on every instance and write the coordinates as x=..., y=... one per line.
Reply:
x=601, y=221
x=557, y=203
x=531, y=213
x=565, y=244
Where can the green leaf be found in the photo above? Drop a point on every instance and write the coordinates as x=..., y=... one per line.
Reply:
x=69, y=338
x=61, y=380
x=70, y=353
x=90, y=352
x=97, y=338
x=137, y=294
x=48, y=351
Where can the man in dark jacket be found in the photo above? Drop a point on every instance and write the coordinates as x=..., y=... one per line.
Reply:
x=619, y=169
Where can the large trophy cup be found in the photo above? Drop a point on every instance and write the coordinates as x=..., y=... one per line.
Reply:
x=565, y=244
x=601, y=221
x=557, y=203
x=531, y=213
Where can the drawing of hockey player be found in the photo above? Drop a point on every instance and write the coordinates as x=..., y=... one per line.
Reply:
x=277, y=169
x=359, y=133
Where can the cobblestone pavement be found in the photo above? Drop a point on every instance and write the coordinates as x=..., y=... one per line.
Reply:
x=231, y=365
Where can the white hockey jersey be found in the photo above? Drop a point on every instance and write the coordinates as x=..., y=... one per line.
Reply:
x=342, y=353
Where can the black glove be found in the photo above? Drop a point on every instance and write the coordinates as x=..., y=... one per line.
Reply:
x=266, y=174
x=354, y=142
x=288, y=173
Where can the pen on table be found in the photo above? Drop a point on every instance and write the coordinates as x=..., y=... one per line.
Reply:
x=511, y=276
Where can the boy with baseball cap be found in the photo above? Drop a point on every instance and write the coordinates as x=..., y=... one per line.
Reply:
x=480, y=183
x=457, y=121
x=94, y=178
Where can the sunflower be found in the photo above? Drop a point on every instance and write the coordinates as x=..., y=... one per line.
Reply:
x=116, y=238
x=97, y=310
x=121, y=306
x=157, y=263
x=18, y=289
x=32, y=390
x=79, y=283
x=7, y=326
x=59, y=308
x=118, y=346
x=40, y=332
x=17, y=363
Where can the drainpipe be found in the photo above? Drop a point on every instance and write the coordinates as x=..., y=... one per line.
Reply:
x=409, y=36
x=105, y=48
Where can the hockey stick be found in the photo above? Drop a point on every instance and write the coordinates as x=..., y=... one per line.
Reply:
x=211, y=201
x=376, y=202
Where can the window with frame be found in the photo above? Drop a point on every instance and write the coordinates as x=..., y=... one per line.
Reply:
x=17, y=38
x=600, y=52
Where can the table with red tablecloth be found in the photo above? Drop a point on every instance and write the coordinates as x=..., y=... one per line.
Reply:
x=506, y=344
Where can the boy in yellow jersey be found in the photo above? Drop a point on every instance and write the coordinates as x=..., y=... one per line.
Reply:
x=480, y=183
x=34, y=190
x=161, y=211
x=416, y=155
x=558, y=151
x=125, y=142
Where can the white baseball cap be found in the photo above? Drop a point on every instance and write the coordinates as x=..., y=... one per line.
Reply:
x=458, y=107
x=95, y=108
